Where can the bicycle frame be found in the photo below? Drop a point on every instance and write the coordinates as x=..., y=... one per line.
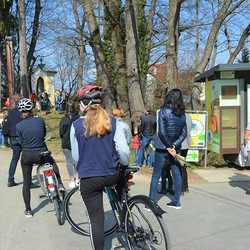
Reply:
x=118, y=206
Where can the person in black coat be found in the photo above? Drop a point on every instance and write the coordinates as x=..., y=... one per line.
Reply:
x=14, y=117
x=64, y=130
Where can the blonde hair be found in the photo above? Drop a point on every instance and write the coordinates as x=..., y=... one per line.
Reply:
x=97, y=122
x=118, y=112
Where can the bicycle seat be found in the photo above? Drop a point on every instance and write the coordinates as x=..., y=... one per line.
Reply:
x=45, y=153
x=131, y=169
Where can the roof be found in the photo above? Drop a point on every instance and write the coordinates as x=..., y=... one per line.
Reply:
x=45, y=68
x=222, y=67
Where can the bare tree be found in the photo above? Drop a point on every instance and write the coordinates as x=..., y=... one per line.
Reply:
x=103, y=72
x=23, y=51
x=132, y=60
x=173, y=42
x=81, y=46
x=227, y=8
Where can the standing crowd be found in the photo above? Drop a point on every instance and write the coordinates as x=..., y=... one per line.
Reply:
x=96, y=145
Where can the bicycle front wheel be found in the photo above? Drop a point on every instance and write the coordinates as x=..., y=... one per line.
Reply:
x=77, y=215
x=145, y=230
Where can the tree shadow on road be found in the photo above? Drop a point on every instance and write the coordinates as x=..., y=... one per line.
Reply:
x=241, y=181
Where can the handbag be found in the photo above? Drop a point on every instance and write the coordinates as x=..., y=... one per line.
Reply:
x=243, y=155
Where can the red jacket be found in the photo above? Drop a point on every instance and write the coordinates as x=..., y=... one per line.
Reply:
x=136, y=142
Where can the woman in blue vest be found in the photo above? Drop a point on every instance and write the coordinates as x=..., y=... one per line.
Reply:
x=99, y=146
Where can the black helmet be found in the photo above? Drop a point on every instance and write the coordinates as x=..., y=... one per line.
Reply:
x=25, y=104
x=89, y=93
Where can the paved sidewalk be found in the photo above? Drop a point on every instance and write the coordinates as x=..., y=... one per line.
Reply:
x=215, y=214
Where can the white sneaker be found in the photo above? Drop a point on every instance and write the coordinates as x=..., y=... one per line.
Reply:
x=72, y=184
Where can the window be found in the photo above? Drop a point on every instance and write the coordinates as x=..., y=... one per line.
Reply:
x=228, y=92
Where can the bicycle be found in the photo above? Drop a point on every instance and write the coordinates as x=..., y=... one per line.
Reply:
x=138, y=217
x=49, y=184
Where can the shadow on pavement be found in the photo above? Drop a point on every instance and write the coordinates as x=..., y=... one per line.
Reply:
x=241, y=181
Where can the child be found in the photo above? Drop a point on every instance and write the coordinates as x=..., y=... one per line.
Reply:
x=136, y=143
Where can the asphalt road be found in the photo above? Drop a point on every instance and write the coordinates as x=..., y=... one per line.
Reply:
x=214, y=215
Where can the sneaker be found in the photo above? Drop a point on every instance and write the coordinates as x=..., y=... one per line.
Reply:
x=28, y=214
x=173, y=205
x=72, y=184
x=61, y=188
x=12, y=184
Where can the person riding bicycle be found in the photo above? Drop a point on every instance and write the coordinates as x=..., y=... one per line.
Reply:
x=32, y=131
x=99, y=146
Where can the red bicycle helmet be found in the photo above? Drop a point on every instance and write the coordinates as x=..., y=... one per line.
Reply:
x=89, y=93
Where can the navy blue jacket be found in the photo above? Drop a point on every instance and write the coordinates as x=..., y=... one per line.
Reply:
x=31, y=132
x=172, y=129
x=14, y=116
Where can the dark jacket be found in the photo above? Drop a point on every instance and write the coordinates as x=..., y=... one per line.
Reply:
x=64, y=129
x=148, y=125
x=14, y=117
x=172, y=129
x=31, y=132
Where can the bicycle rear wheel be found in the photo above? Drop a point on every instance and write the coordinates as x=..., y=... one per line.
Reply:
x=145, y=230
x=58, y=209
x=41, y=179
x=77, y=215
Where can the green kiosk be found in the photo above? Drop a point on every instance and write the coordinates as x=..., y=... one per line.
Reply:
x=227, y=91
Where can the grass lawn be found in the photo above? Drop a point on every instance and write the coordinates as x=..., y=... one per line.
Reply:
x=52, y=120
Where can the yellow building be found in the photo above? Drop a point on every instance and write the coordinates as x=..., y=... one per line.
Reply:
x=45, y=81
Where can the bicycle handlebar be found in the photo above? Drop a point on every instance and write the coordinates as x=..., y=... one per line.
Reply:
x=50, y=138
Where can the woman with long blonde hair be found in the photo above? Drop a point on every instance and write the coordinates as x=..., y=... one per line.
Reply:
x=99, y=146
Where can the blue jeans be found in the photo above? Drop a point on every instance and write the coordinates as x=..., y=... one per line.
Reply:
x=60, y=108
x=70, y=163
x=2, y=138
x=160, y=161
x=144, y=143
x=16, y=151
x=136, y=151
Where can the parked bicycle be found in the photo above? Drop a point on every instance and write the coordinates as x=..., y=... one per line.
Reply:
x=138, y=217
x=49, y=184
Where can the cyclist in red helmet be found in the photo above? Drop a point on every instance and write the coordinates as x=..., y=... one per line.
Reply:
x=99, y=146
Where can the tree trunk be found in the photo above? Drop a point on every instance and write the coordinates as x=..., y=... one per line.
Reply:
x=132, y=62
x=22, y=48
x=172, y=43
x=35, y=34
x=103, y=72
x=81, y=47
x=119, y=61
